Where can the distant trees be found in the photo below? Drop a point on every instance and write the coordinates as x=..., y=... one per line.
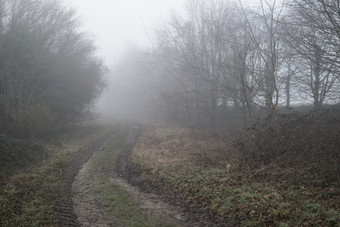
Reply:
x=230, y=58
x=196, y=49
x=221, y=61
x=312, y=29
x=48, y=70
x=266, y=57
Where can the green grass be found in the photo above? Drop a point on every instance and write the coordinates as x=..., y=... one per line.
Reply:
x=16, y=154
x=116, y=201
x=251, y=203
x=206, y=171
x=29, y=197
x=122, y=206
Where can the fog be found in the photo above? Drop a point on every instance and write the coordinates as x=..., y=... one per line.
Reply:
x=117, y=24
x=231, y=105
x=181, y=61
x=119, y=28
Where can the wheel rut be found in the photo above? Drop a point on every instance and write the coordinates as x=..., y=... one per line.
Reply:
x=90, y=212
x=85, y=205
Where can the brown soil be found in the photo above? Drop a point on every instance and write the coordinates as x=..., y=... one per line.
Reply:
x=65, y=207
x=86, y=208
x=161, y=203
x=88, y=212
x=83, y=209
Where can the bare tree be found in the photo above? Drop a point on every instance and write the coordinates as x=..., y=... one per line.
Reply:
x=266, y=54
x=198, y=46
x=237, y=80
x=312, y=33
x=221, y=56
x=44, y=59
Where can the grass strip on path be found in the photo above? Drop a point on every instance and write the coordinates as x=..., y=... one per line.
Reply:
x=116, y=201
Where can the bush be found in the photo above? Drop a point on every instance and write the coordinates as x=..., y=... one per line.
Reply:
x=309, y=141
x=17, y=154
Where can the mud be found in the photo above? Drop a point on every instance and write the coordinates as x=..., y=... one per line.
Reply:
x=153, y=198
x=65, y=209
x=90, y=213
x=86, y=208
x=148, y=196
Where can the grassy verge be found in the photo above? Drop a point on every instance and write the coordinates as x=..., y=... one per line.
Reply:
x=29, y=197
x=118, y=203
x=17, y=154
x=171, y=156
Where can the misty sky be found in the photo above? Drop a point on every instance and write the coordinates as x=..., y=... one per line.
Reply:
x=118, y=24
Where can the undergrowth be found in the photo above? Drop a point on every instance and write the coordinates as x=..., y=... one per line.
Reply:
x=264, y=177
x=16, y=154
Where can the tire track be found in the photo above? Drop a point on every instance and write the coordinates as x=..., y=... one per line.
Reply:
x=87, y=210
x=65, y=207
x=90, y=213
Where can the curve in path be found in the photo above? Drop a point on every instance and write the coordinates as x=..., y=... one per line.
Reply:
x=90, y=213
x=86, y=208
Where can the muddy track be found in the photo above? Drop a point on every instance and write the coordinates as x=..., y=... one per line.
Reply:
x=148, y=196
x=151, y=195
x=64, y=208
x=86, y=207
x=150, y=204
x=89, y=211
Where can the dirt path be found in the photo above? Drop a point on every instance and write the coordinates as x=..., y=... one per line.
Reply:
x=147, y=195
x=151, y=196
x=85, y=206
x=90, y=213
x=65, y=205
x=152, y=205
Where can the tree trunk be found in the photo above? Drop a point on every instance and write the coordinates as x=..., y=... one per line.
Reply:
x=317, y=82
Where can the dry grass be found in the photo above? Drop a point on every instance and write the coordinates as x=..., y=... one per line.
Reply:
x=170, y=147
x=213, y=170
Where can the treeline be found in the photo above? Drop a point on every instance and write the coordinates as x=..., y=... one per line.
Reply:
x=49, y=74
x=221, y=60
